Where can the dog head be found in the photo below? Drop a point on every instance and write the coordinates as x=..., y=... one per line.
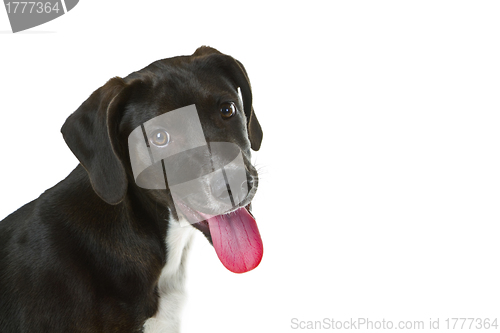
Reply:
x=167, y=106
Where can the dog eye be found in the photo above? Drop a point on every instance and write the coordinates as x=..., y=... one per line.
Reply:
x=160, y=138
x=227, y=110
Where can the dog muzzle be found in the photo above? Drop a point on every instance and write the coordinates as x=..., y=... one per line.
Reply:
x=207, y=181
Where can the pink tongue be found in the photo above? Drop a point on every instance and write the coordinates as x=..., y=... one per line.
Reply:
x=236, y=240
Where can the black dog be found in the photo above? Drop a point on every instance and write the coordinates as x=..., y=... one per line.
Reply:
x=97, y=253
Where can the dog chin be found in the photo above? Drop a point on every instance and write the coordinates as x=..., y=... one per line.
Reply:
x=205, y=230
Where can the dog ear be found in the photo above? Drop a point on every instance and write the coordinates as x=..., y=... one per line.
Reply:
x=255, y=133
x=239, y=75
x=91, y=133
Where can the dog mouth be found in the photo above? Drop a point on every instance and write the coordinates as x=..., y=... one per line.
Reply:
x=205, y=229
x=234, y=235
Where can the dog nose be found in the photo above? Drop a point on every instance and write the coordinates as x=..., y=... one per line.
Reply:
x=229, y=187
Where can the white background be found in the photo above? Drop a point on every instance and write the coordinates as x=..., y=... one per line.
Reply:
x=380, y=164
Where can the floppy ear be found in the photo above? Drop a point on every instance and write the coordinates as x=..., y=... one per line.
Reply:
x=91, y=133
x=255, y=133
x=238, y=74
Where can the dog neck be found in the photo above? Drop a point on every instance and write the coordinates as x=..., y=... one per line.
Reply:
x=171, y=282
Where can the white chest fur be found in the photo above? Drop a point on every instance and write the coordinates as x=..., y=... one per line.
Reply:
x=171, y=283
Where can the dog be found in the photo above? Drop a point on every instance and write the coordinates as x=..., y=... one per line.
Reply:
x=99, y=253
